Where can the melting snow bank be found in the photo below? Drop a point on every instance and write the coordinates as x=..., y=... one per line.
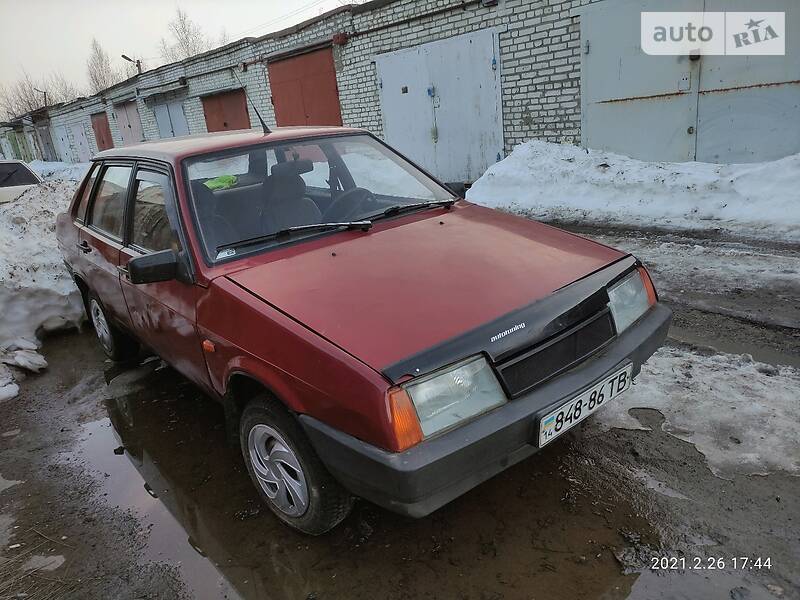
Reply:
x=562, y=182
x=59, y=170
x=37, y=293
x=741, y=414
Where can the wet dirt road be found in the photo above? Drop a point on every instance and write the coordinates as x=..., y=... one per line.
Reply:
x=127, y=489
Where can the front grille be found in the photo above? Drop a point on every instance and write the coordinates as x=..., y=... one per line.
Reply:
x=527, y=370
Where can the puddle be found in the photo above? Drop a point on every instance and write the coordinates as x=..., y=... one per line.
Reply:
x=39, y=562
x=123, y=486
x=7, y=483
x=535, y=528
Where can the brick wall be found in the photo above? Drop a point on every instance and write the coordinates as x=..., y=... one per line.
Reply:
x=539, y=61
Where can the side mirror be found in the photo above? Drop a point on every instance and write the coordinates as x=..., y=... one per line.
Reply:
x=155, y=267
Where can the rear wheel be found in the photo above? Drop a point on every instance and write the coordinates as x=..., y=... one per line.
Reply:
x=286, y=471
x=117, y=345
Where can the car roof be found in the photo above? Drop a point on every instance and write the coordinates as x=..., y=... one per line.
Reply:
x=12, y=160
x=173, y=150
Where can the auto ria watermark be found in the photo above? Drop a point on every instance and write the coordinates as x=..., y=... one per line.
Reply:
x=720, y=33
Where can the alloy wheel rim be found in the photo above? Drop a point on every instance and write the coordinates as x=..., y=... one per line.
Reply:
x=101, y=325
x=278, y=470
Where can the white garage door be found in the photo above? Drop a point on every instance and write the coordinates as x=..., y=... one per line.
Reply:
x=441, y=104
x=171, y=119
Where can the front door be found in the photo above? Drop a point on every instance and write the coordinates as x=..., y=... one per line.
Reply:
x=304, y=90
x=101, y=239
x=163, y=313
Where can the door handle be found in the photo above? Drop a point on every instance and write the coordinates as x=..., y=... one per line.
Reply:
x=123, y=271
x=84, y=247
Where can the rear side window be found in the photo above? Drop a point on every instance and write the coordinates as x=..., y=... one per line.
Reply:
x=151, y=227
x=80, y=212
x=12, y=174
x=108, y=208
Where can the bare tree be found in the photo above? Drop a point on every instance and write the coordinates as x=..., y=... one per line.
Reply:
x=187, y=38
x=60, y=89
x=21, y=96
x=100, y=72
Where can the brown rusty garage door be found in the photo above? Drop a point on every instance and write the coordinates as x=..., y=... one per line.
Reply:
x=225, y=111
x=304, y=90
x=102, y=132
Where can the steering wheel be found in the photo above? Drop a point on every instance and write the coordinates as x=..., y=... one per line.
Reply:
x=347, y=204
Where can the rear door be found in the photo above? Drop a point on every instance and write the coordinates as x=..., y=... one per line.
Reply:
x=102, y=235
x=226, y=111
x=163, y=313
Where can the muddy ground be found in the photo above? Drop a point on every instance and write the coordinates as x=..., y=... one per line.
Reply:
x=119, y=484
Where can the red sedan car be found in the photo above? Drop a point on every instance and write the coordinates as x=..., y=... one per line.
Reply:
x=368, y=332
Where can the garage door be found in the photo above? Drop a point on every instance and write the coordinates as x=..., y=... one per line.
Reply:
x=61, y=141
x=102, y=132
x=672, y=108
x=441, y=104
x=226, y=111
x=80, y=142
x=171, y=119
x=129, y=123
x=304, y=90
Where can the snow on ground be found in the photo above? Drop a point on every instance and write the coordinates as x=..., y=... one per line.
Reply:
x=59, y=170
x=566, y=183
x=741, y=414
x=37, y=293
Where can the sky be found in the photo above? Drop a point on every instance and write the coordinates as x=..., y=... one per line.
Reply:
x=45, y=36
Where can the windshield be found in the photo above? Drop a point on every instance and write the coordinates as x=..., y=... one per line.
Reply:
x=12, y=174
x=255, y=192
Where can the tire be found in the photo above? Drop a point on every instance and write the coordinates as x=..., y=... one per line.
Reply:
x=287, y=473
x=118, y=345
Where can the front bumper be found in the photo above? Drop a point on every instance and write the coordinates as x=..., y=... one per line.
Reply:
x=424, y=478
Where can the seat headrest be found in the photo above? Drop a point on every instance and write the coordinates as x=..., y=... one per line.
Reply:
x=286, y=187
x=292, y=167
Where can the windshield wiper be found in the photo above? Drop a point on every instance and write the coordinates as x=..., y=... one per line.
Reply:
x=401, y=208
x=289, y=231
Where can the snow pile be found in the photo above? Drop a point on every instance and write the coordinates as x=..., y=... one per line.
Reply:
x=37, y=293
x=59, y=170
x=741, y=414
x=567, y=183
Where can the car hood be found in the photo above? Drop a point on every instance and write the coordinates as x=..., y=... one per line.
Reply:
x=417, y=281
x=7, y=194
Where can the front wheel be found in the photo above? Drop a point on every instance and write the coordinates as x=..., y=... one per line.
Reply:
x=117, y=345
x=286, y=471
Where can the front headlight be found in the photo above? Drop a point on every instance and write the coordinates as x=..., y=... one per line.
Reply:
x=466, y=389
x=630, y=298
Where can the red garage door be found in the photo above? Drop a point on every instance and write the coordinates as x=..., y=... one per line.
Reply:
x=102, y=132
x=304, y=90
x=225, y=111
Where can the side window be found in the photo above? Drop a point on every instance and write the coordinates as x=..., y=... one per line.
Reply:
x=151, y=227
x=108, y=208
x=80, y=212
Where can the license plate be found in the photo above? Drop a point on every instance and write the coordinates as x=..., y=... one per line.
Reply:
x=573, y=411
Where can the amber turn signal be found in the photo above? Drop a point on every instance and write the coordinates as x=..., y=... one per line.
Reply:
x=404, y=420
x=652, y=298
